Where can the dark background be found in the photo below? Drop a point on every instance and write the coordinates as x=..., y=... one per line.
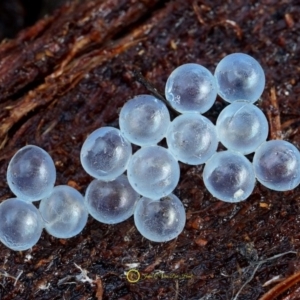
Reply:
x=18, y=14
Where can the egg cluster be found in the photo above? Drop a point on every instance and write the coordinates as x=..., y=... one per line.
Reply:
x=31, y=176
x=152, y=171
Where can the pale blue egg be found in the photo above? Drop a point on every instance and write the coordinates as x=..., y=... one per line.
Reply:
x=191, y=88
x=192, y=139
x=21, y=224
x=105, y=153
x=239, y=77
x=111, y=202
x=153, y=172
x=63, y=212
x=242, y=127
x=144, y=120
x=160, y=220
x=31, y=173
x=277, y=165
x=229, y=176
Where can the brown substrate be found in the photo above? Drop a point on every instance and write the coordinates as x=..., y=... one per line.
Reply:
x=72, y=71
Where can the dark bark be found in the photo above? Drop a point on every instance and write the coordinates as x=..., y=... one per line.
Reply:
x=17, y=14
x=71, y=72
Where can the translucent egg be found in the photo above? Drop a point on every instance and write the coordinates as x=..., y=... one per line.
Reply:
x=63, y=212
x=277, y=165
x=21, y=224
x=192, y=139
x=239, y=77
x=105, y=153
x=160, y=220
x=191, y=88
x=31, y=173
x=242, y=127
x=153, y=172
x=111, y=202
x=144, y=120
x=229, y=176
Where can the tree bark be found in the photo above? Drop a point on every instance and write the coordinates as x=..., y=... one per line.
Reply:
x=72, y=71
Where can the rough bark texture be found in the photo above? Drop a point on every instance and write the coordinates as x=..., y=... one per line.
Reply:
x=71, y=72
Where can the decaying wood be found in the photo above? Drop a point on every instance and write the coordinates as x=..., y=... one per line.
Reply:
x=72, y=71
x=282, y=287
